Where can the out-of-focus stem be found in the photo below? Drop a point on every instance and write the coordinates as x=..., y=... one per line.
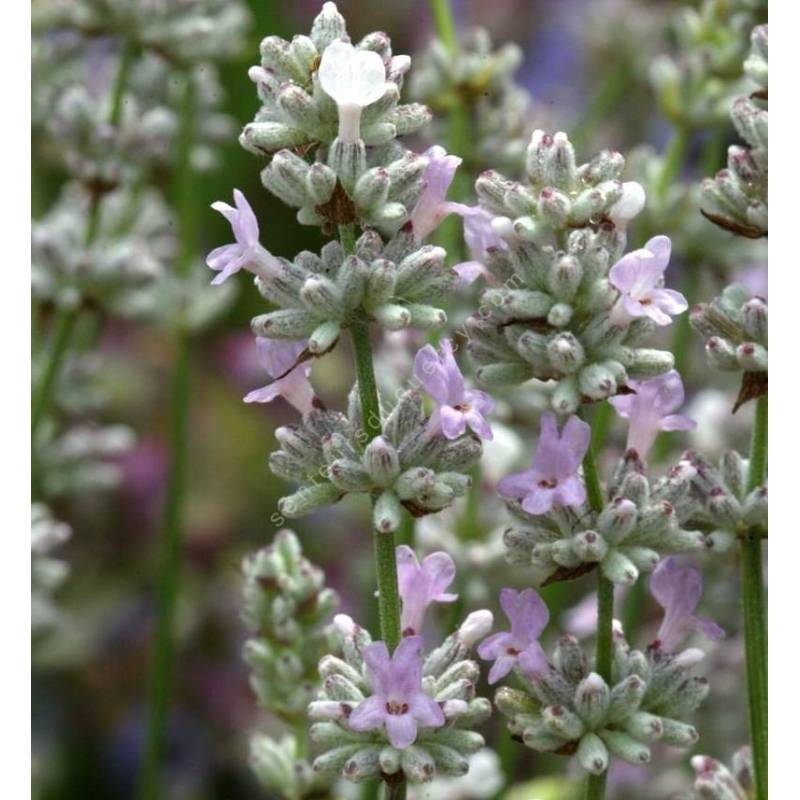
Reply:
x=596, y=784
x=171, y=538
x=673, y=161
x=754, y=606
x=445, y=24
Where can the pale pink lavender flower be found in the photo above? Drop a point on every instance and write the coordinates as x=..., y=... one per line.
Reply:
x=290, y=380
x=650, y=410
x=639, y=276
x=479, y=236
x=629, y=205
x=432, y=206
x=247, y=253
x=422, y=584
x=528, y=615
x=677, y=587
x=353, y=79
x=398, y=703
x=553, y=478
x=457, y=406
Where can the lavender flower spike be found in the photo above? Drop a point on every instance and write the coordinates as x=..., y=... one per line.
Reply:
x=649, y=410
x=422, y=584
x=677, y=587
x=353, y=79
x=398, y=704
x=458, y=407
x=520, y=646
x=279, y=358
x=553, y=477
x=247, y=253
x=639, y=277
x=432, y=207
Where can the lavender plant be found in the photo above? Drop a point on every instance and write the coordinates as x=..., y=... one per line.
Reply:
x=568, y=313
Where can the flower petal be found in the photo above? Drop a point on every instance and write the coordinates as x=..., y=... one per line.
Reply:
x=454, y=423
x=401, y=729
x=368, y=715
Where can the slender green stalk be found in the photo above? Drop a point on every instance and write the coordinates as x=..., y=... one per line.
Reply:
x=367, y=388
x=673, y=161
x=171, y=539
x=596, y=784
x=445, y=24
x=601, y=424
x=754, y=609
x=608, y=96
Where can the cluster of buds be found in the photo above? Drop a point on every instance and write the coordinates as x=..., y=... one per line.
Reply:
x=325, y=97
x=411, y=716
x=287, y=607
x=184, y=31
x=47, y=571
x=563, y=304
x=412, y=464
x=132, y=240
x=397, y=285
x=638, y=525
x=694, y=87
x=714, y=781
x=567, y=709
x=735, y=327
x=736, y=198
x=726, y=506
x=279, y=767
x=481, y=80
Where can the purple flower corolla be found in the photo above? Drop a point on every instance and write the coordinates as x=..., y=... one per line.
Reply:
x=650, y=410
x=677, y=588
x=422, y=584
x=247, y=253
x=553, y=477
x=398, y=702
x=639, y=276
x=279, y=357
x=528, y=615
x=432, y=206
x=457, y=406
x=479, y=236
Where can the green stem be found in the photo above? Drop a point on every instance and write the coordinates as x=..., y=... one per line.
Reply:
x=673, y=161
x=610, y=93
x=596, y=784
x=171, y=539
x=754, y=609
x=65, y=327
x=445, y=24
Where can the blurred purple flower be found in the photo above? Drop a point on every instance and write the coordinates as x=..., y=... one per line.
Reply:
x=422, y=584
x=398, y=704
x=528, y=615
x=247, y=253
x=755, y=280
x=457, y=406
x=432, y=206
x=278, y=357
x=639, y=276
x=649, y=410
x=677, y=587
x=553, y=477
x=479, y=237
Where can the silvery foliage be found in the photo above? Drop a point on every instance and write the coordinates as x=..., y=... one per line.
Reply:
x=548, y=314
x=570, y=710
x=183, y=31
x=409, y=465
x=374, y=180
x=715, y=781
x=695, y=86
x=726, y=507
x=133, y=239
x=395, y=285
x=735, y=327
x=736, y=198
x=47, y=571
x=449, y=677
x=639, y=524
x=482, y=80
x=287, y=608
